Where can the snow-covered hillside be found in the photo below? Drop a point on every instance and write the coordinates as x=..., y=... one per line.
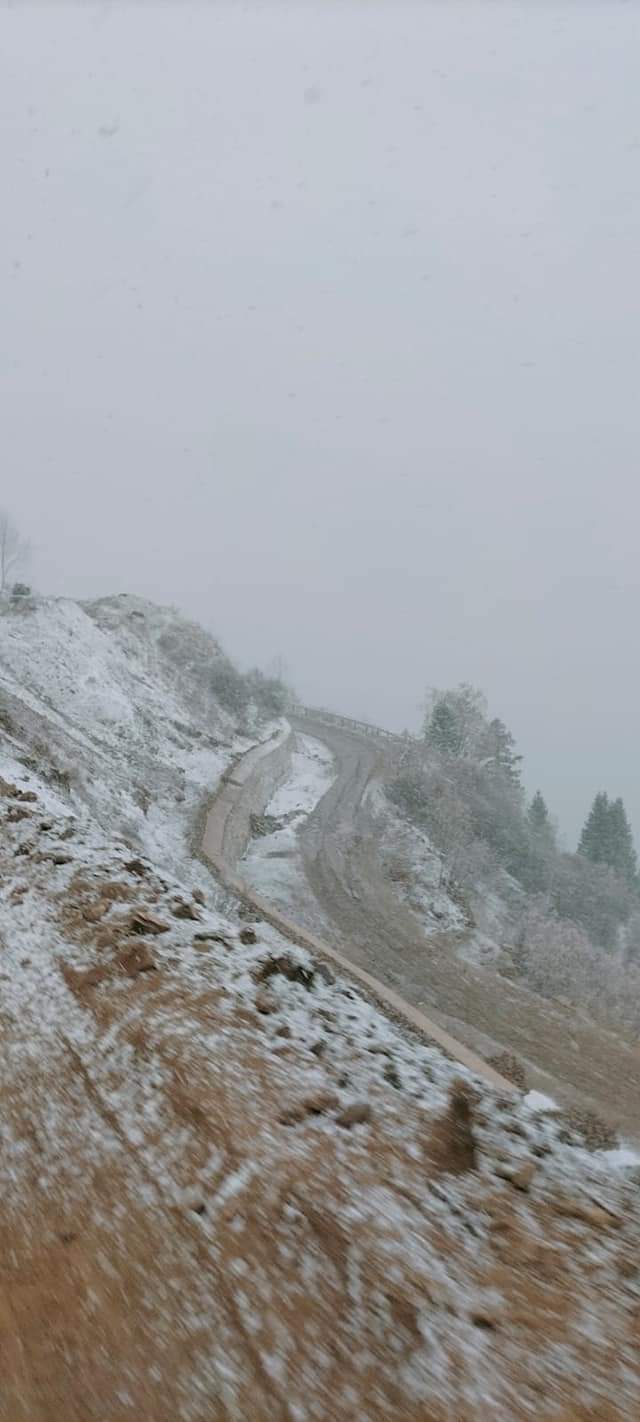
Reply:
x=229, y=1186
x=113, y=699
x=415, y=867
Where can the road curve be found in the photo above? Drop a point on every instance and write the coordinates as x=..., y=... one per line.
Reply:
x=220, y=848
x=564, y=1053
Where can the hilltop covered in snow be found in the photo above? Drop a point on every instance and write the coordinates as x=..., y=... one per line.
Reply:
x=119, y=694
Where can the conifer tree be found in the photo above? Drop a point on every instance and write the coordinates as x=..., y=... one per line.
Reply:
x=622, y=855
x=541, y=829
x=455, y=722
x=501, y=751
x=442, y=731
x=538, y=815
x=594, y=840
x=607, y=838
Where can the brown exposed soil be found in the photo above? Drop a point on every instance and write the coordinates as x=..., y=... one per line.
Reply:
x=508, y=1065
x=202, y=1218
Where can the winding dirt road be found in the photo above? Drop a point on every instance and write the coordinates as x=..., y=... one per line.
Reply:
x=564, y=1053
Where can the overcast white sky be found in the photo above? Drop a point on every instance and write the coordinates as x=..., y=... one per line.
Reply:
x=324, y=323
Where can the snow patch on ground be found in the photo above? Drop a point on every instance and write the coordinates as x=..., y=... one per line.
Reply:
x=537, y=1101
x=309, y=779
x=273, y=862
x=621, y=1158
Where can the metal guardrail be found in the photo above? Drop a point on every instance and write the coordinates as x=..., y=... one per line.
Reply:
x=349, y=723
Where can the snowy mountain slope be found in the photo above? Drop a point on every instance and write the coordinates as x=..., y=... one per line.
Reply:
x=107, y=663
x=118, y=693
x=229, y=1187
x=486, y=916
x=415, y=867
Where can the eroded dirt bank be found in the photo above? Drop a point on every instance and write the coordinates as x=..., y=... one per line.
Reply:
x=230, y=1189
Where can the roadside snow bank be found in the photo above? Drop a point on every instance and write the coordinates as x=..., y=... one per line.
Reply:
x=311, y=775
x=537, y=1101
x=273, y=862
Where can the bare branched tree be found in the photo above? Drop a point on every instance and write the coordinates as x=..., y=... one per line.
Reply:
x=14, y=550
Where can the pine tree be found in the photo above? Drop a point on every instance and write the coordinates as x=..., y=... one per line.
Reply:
x=607, y=838
x=541, y=829
x=442, y=731
x=594, y=840
x=622, y=855
x=538, y=815
x=501, y=751
x=455, y=720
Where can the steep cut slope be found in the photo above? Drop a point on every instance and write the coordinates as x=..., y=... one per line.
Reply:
x=118, y=694
x=229, y=1188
